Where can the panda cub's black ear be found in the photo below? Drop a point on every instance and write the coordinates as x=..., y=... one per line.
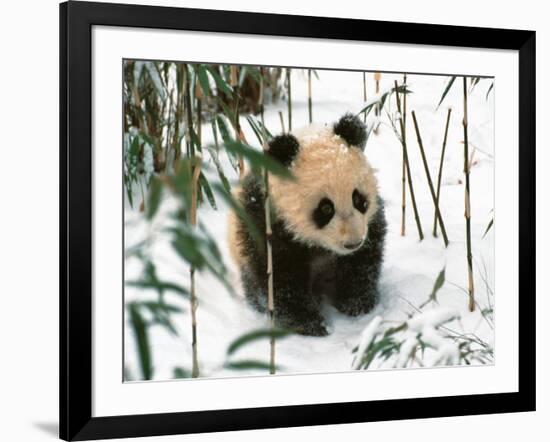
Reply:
x=352, y=130
x=284, y=148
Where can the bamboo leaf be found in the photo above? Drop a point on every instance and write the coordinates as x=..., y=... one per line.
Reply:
x=159, y=286
x=220, y=82
x=253, y=72
x=447, y=89
x=154, y=198
x=488, y=227
x=139, y=326
x=254, y=336
x=181, y=373
x=475, y=81
x=216, y=159
x=258, y=160
x=236, y=206
x=381, y=100
x=154, y=75
x=227, y=111
x=489, y=90
x=202, y=74
x=205, y=185
x=440, y=280
x=224, y=132
x=255, y=129
x=248, y=364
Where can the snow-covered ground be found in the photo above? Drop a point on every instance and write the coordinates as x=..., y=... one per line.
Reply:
x=410, y=268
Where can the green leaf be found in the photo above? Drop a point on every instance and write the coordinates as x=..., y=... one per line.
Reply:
x=255, y=129
x=252, y=72
x=489, y=227
x=447, y=89
x=383, y=346
x=254, y=336
x=224, y=132
x=146, y=138
x=248, y=364
x=195, y=139
x=198, y=249
x=159, y=286
x=161, y=313
x=139, y=327
x=182, y=181
x=227, y=111
x=128, y=185
x=220, y=82
x=475, y=81
x=489, y=90
x=181, y=373
x=259, y=237
x=187, y=247
x=205, y=185
x=402, y=89
x=203, y=79
x=162, y=306
x=154, y=75
x=154, y=198
x=222, y=127
x=214, y=155
x=258, y=160
x=440, y=280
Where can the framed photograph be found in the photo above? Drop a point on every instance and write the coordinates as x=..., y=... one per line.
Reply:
x=273, y=220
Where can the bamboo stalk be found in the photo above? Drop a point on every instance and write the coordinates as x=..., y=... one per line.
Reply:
x=467, y=213
x=377, y=77
x=239, y=135
x=196, y=170
x=198, y=96
x=364, y=95
x=282, y=122
x=180, y=70
x=441, y=168
x=194, y=301
x=404, y=167
x=289, y=90
x=406, y=159
x=189, y=114
x=167, y=149
x=309, y=103
x=430, y=184
x=268, y=236
x=262, y=91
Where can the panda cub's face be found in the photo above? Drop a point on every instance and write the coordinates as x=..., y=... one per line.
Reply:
x=335, y=192
x=343, y=228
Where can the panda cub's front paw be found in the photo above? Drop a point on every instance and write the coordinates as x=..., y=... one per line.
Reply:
x=355, y=306
x=313, y=329
x=308, y=326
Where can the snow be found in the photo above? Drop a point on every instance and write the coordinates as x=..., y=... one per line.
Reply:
x=432, y=319
x=410, y=266
x=366, y=338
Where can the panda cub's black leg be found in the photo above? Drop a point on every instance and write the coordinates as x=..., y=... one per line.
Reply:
x=357, y=275
x=296, y=308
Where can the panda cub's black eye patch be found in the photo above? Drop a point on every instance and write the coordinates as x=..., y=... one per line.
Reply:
x=360, y=202
x=323, y=213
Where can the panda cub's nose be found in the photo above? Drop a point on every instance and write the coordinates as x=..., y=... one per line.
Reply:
x=352, y=246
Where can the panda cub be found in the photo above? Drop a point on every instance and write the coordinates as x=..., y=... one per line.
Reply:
x=328, y=228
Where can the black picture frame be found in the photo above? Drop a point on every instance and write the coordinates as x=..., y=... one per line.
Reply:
x=76, y=21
